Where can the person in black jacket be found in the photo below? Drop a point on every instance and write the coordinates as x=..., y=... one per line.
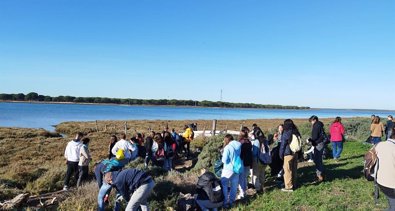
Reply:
x=134, y=186
x=289, y=157
x=317, y=140
x=209, y=191
x=246, y=157
x=149, y=141
x=258, y=133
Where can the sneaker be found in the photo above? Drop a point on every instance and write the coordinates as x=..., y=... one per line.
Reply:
x=310, y=161
x=320, y=178
x=286, y=190
x=65, y=188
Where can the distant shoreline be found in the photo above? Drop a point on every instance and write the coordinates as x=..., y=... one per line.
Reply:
x=171, y=106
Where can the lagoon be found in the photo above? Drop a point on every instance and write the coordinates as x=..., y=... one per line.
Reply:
x=41, y=115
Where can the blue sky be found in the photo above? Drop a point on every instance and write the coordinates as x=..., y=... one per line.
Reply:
x=332, y=54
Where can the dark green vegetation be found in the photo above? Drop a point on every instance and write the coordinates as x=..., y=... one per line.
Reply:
x=32, y=161
x=32, y=96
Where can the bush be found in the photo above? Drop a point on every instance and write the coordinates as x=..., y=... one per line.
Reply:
x=210, y=153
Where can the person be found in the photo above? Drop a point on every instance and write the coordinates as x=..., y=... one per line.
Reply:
x=209, y=194
x=258, y=168
x=114, y=164
x=113, y=140
x=71, y=154
x=177, y=138
x=85, y=158
x=386, y=171
x=149, y=141
x=158, y=149
x=289, y=157
x=337, y=137
x=318, y=141
x=388, y=127
x=276, y=167
x=376, y=129
x=133, y=186
x=246, y=157
x=372, y=118
x=257, y=132
x=125, y=145
x=170, y=149
x=134, y=153
x=188, y=136
x=231, y=151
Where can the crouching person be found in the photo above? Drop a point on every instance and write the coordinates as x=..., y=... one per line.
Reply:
x=209, y=192
x=134, y=186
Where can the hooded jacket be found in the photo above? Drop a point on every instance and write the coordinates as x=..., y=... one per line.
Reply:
x=72, y=151
x=231, y=150
x=337, y=131
x=286, y=139
x=317, y=133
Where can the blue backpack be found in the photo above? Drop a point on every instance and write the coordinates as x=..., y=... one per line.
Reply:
x=237, y=163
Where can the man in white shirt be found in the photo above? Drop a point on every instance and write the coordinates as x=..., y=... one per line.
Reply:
x=71, y=154
x=126, y=146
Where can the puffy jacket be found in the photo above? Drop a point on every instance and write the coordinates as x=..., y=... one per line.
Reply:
x=231, y=150
x=286, y=139
x=246, y=152
x=337, y=131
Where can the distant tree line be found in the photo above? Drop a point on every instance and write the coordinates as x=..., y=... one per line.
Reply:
x=32, y=96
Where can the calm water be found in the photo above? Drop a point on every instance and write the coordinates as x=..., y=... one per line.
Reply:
x=34, y=115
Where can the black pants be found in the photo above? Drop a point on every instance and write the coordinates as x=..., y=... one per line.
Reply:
x=187, y=146
x=82, y=174
x=72, y=169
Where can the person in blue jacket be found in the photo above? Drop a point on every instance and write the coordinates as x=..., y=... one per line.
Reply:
x=134, y=186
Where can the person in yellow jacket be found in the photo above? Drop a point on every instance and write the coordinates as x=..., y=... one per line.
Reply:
x=188, y=136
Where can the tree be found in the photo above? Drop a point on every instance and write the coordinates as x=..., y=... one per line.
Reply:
x=32, y=96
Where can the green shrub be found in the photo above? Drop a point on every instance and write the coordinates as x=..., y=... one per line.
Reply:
x=210, y=153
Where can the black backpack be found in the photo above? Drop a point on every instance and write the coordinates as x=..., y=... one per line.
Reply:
x=210, y=186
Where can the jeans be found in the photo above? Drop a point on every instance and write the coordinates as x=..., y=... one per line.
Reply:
x=317, y=158
x=168, y=166
x=376, y=140
x=72, y=169
x=389, y=133
x=140, y=196
x=390, y=194
x=243, y=180
x=98, y=174
x=105, y=189
x=83, y=174
x=337, y=148
x=206, y=205
x=234, y=183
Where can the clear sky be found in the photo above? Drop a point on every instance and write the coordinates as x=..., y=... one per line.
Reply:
x=332, y=54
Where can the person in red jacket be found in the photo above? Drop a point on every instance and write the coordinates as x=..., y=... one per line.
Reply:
x=337, y=135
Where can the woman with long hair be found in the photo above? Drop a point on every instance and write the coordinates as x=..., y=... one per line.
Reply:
x=377, y=130
x=290, y=158
x=337, y=135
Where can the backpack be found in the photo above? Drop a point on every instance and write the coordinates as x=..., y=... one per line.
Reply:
x=160, y=154
x=370, y=165
x=169, y=152
x=237, y=165
x=264, y=155
x=141, y=151
x=296, y=143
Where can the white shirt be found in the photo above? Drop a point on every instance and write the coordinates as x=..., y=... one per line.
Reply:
x=72, y=151
x=125, y=145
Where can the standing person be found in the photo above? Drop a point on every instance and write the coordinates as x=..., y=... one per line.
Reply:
x=386, y=171
x=188, y=136
x=149, y=141
x=134, y=186
x=231, y=152
x=125, y=145
x=113, y=140
x=389, y=126
x=258, y=133
x=290, y=158
x=337, y=137
x=258, y=168
x=278, y=134
x=318, y=141
x=246, y=157
x=376, y=129
x=276, y=167
x=372, y=118
x=85, y=158
x=158, y=149
x=72, y=155
x=170, y=149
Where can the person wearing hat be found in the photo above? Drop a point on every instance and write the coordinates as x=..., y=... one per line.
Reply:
x=108, y=165
x=318, y=141
x=133, y=185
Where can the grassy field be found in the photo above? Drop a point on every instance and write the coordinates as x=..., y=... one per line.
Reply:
x=32, y=161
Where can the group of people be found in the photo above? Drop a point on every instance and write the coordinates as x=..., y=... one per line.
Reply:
x=241, y=159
